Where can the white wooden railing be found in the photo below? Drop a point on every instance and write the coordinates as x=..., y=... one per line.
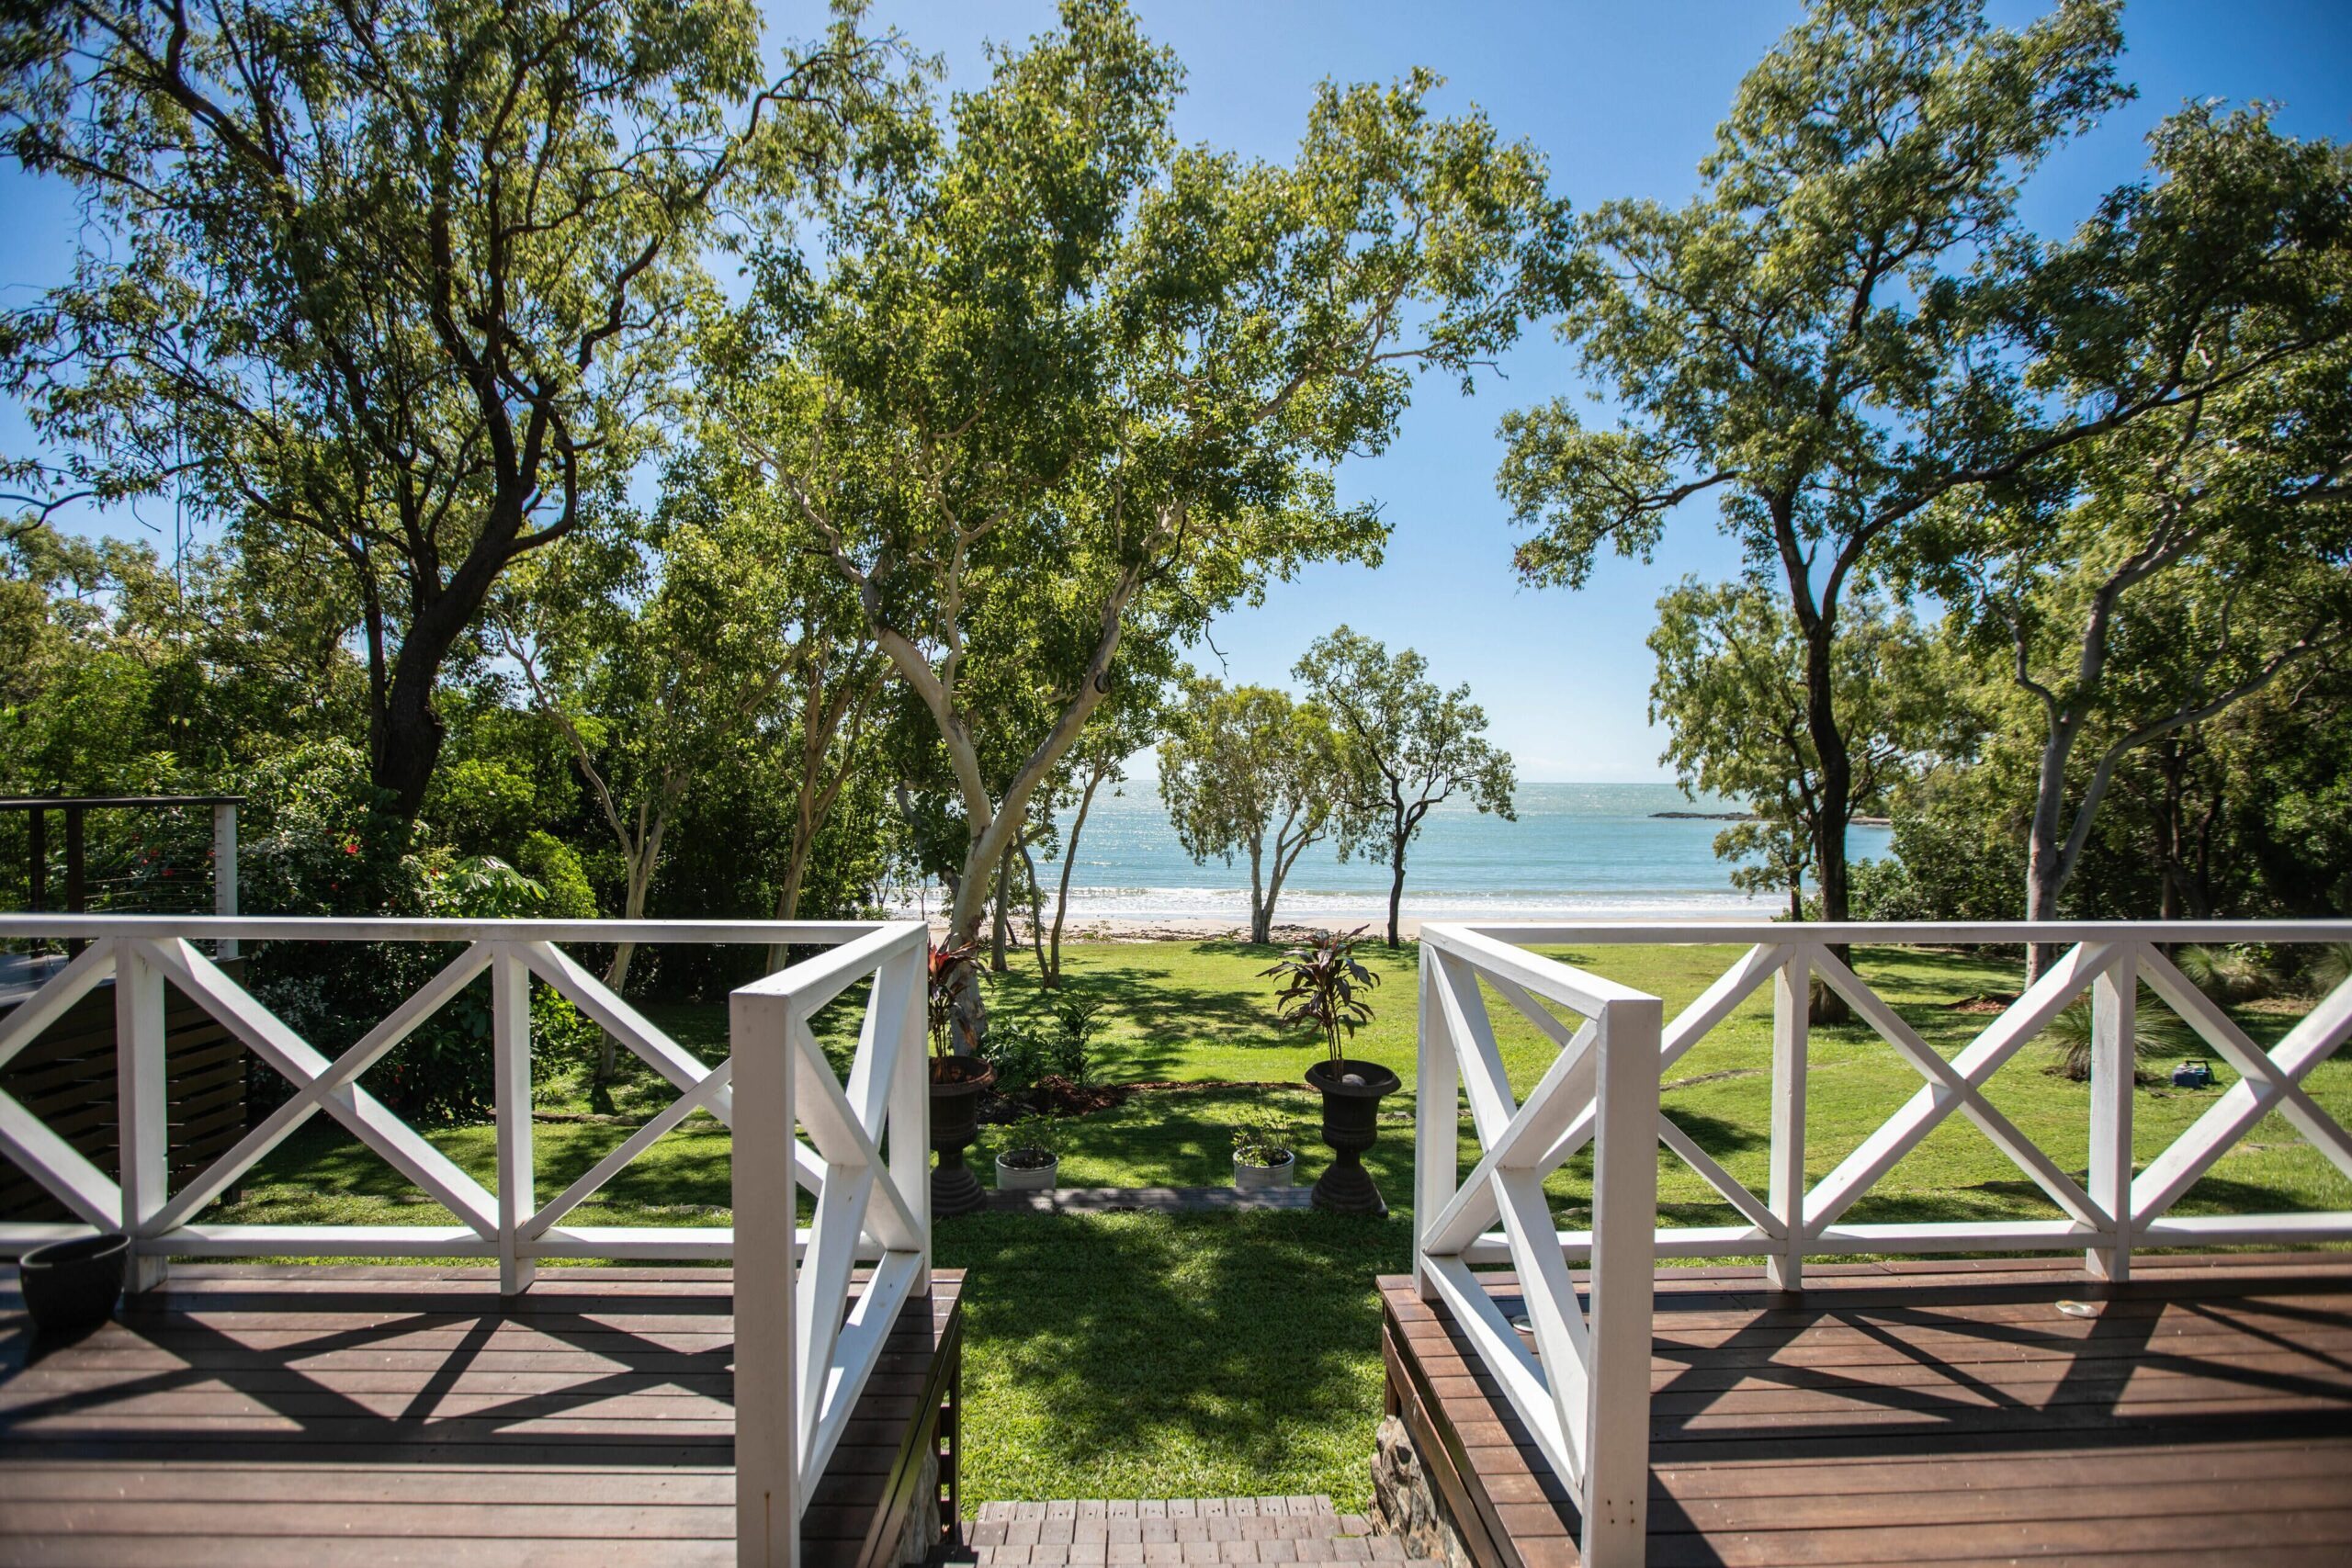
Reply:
x=1583, y=1388
x=803, y=1350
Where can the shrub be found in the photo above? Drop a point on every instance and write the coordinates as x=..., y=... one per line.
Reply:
x=1014, y=1050
x=1262, y=1138
x=1033, y=1143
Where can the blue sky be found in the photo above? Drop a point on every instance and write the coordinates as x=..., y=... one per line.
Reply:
x=1623, y=97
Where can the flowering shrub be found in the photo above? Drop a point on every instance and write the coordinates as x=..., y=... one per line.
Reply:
x=323, y=844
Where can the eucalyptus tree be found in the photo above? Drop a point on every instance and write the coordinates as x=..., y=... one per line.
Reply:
x=1067, y=385
x=1837, y=332
x=1405, y=745
x=1730, y=690
x=1249, y=770
x=404, y=279
x=1135, y=716
x=658, y=657
x=2143, y=583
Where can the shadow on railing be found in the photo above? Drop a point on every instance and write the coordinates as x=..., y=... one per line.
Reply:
x=805, y=1350
x=1582, y=1389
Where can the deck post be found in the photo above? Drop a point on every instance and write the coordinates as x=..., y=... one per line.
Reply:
x=510, y=1023
x=2114, y=1068
x=224, y=874
x=1437, y=1122
x=1784, y=1266
x=767, y=1459
x=909, y=1154
x=144, y=1136
x=1616, y=1503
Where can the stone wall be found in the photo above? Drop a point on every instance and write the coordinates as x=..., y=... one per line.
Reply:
x=920, y=1538
x=1406, y=1505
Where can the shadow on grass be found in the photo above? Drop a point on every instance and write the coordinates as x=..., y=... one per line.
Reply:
x=1170, y=1354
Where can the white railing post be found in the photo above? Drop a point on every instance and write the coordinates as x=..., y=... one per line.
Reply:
x=1624, y=1217
x=1437, y=1119
x=518, y=1199
x=908, y=1110
x=767, y=1459
x=142, y=1105
x=224, y=874
x=2114, y=1070
x=1791, y=998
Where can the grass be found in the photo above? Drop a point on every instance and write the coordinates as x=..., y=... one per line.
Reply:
x=1128, y=1354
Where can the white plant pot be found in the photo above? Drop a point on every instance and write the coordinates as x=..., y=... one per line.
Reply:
x=1263, y=1177
x=1014, y=1179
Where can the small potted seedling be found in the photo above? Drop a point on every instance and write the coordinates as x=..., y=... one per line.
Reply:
x=1030, y=1160
x=1263, y=1156
x=1323, y=988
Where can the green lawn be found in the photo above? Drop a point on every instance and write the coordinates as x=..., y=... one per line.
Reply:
x=1132, y=1354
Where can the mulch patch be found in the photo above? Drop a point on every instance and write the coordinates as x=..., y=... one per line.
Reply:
x=1054, y=1096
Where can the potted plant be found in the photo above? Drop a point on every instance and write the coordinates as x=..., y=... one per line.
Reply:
x=1030, y=1160
x=957, y=1081
x=1322, y=987
x=73, y=1285
x=1263, y=1154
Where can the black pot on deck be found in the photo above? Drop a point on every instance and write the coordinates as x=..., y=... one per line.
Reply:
x=73, y=1285
x=1351, y=1092
x=956, y=1084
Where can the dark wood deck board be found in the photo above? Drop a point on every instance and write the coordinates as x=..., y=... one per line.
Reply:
x=327, y=1416
x=1947, y=1413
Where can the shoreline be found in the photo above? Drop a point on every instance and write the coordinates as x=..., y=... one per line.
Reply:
x=1108, y=929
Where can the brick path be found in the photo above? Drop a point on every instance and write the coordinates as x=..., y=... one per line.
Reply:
x=1129, y=1532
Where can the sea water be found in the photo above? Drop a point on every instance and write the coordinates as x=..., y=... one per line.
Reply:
x=1577, y=850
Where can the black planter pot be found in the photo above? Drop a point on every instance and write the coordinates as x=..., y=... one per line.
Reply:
x=1351, y=1092
x=73, y=1285
x=957, y=1085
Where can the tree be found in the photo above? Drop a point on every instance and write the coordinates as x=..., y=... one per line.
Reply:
x=2139, y=585
x=1839, y=331
x=808, y=627
x=400, y=280
x=1730, y=690
x=1247, y=771
x=1132, y=719
x=1404, y=746
x=1069, y=387
x=657, y=663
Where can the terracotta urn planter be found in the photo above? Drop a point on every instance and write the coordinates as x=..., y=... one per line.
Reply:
x=1351, y=1092
x=957, y=1085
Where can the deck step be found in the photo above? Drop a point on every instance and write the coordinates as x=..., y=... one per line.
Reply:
x=1133, y=1532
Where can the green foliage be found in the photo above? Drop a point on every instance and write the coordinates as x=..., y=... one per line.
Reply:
x=1403, y=745
x=399, y=308
x=1731, y=690
x=1069, y=389
x=1264, y=1137
x=1249, y=771
x=550, y=863
x=1322, y=987
x=1032, y=1142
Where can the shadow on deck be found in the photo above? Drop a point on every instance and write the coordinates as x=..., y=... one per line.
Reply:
x=1937, y=1412
x=389, y=1414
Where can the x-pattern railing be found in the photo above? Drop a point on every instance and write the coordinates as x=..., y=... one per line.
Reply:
x=1581, y=1388
x=807, y=1342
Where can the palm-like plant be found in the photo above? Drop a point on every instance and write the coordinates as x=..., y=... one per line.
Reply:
x=1322, y=984
x=946, y=972
x=2154, y=1030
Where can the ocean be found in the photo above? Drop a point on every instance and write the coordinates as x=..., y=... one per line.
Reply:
x=1577, y=850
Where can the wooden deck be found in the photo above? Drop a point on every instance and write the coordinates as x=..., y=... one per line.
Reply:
x=1947, y=1413
x=389, y=1414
